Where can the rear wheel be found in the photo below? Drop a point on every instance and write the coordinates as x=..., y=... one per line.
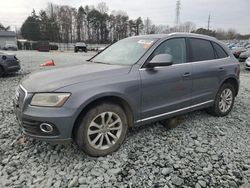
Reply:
x=224, y=101
x=102, y=130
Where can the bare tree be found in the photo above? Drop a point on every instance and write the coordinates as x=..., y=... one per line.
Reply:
x=188, y=27
x=102, y=7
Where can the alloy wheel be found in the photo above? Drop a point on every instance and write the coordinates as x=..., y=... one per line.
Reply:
x=104, y=130
x=226, y=100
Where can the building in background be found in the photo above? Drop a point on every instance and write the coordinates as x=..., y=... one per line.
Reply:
x=8, y=40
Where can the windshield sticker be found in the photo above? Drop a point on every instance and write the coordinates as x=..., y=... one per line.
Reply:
x=146, y=43
x=146, y=46
x=149, y=42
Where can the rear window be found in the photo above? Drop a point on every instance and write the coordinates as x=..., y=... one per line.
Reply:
x=201, y=50
x=219, y=51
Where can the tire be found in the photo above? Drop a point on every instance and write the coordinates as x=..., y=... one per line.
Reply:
x=1, y=72
x=92, y=129
x=219, y=103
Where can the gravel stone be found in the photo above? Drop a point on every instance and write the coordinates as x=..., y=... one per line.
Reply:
x=57, y=184
x=197, y=185
x=74, y=182
x=202, y=183
x=114, y=171
x=82, y=180
x=167, y=171
x=177, y=180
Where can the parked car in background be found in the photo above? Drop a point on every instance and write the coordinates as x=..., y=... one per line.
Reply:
x=80, y=47
x=238, y=51
x=137, y=80
x=10, y=45
x=231, y=46
x=244, y=55
x=8, y=63
x=247, y=64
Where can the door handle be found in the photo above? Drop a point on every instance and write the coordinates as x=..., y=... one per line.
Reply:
x=186, y=74
x=220, y=69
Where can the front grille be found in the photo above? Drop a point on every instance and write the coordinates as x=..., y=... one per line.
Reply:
x=33, y=127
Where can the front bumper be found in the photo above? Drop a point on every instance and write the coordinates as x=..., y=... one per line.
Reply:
x=30, y=118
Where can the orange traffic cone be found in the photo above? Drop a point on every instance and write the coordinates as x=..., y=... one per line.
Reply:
x=48, y=63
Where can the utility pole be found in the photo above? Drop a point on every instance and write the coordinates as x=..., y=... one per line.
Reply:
x=208, y=22
x=178, y=9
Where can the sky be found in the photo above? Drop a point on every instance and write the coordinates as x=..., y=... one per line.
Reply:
x=225, y=14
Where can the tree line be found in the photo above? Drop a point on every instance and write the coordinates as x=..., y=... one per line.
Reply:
x=66, y=24
x=62, y=23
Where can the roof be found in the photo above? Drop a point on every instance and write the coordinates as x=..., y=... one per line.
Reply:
x=7, y=34
x=160, y=36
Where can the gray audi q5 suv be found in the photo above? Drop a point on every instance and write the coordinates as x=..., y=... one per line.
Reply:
x=137, y=80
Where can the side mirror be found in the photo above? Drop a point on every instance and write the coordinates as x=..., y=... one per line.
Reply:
x=161, y=60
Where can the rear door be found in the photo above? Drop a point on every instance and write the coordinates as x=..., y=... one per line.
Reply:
x=208, y=70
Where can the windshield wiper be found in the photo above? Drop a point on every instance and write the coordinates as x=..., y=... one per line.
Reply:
x=101, y=62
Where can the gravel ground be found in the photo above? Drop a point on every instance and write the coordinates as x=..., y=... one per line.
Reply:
x=203, y=151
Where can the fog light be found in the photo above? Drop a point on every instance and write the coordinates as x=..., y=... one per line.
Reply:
x=47, y=128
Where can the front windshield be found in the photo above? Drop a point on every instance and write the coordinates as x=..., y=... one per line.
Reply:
x=124, y=52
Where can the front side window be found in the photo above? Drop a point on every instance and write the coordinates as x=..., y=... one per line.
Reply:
x=175, y=47
x=201, y=50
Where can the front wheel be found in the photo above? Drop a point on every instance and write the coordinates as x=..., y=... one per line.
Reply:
x=224, y=101
x=102, y=130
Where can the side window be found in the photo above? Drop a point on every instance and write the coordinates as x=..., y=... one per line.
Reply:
x=175, y=47
x=201, y=50
x=219, y=51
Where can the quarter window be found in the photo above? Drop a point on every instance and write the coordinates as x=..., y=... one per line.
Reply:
x=201, y=50
x=219, y=51
x=175, y=47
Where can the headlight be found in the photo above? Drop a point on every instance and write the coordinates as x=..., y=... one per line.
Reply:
x=49, y=99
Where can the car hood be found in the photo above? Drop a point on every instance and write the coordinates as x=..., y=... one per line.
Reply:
x=51, y=80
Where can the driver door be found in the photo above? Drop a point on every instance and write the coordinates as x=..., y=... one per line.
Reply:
x=166, y=89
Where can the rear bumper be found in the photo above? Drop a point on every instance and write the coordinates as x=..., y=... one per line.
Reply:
x=14, y=68
x=80, y=48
